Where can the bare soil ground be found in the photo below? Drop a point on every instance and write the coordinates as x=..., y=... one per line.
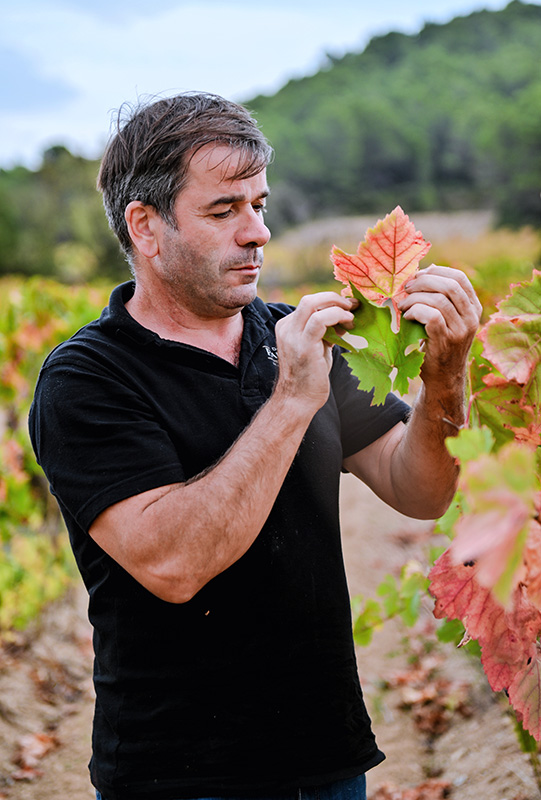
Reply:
x=464, y=747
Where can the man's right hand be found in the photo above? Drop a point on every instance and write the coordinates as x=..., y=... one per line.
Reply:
x=304, y=357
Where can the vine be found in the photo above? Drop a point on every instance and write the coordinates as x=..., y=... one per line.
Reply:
x=487, y=583
x=36, y=564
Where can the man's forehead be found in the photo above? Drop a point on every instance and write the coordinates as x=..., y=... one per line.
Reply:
x=220, y=163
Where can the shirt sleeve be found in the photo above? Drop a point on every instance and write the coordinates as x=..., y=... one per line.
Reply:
x=97, y=440
x=361, y=422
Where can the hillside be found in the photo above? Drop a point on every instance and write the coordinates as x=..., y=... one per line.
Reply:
x=446, y=119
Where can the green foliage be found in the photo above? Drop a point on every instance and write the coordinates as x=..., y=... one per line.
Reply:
x=36, y=565
x=401, y=597
x=470, y=444
x=526, y=741
x=389, y=359
x=449, y=118
x=52, y=221
x=446, y=119
x=33, y=572
x=488, y=581
x=451, y=631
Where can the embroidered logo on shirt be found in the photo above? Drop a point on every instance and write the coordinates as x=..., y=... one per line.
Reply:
x=272, y=353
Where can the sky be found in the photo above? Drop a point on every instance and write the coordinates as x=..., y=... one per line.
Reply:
x=68, y=65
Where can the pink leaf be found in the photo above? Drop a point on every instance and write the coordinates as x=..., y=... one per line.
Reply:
x=458, y=594
x=506, y=640
x=529, y=436
x=512, y=336
x=532, y=563
x=505, y=637
x=513, y=345
x=385, y=261
x=525, y=692
x=490, y=537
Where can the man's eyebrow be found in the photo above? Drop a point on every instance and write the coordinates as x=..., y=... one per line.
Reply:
x=229, y=199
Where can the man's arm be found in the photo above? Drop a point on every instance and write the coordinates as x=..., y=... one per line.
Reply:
x=176, y=538
x=410, y=467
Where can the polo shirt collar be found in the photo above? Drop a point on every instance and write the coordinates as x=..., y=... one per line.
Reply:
x=116, y=320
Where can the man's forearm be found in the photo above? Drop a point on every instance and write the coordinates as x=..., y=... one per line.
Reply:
x=423, y=473
x=176, y=538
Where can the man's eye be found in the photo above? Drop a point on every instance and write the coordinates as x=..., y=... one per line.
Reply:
x=260, y=207
x=222, y=214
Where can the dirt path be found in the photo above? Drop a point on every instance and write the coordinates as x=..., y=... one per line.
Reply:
x=478, y=756
x=46, y=707
x=45, y=689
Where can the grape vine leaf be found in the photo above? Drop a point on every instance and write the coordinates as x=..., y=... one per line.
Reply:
x=514, y=347
x=530, y=436
x=524, y=299
x=495, y=539
x=512, y=467
x=500, y=492
x=505, y=636
x=512, y=337
x=457, y=593
x=385, y=261
x=367, y=620
x=389, y=360
x=525, y=692
x=499, y=403
x=532, y=561
x=470, y=443
x=506, y=640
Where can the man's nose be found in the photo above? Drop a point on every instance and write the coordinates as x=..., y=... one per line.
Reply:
x=253, y=230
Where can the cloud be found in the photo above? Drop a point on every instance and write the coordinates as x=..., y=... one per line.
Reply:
x=25, y=90
x=72, y=62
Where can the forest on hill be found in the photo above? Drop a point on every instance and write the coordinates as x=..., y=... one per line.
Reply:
x=446, y=119
x=449, y=118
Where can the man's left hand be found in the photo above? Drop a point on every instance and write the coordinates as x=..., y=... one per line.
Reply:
x=444, y=301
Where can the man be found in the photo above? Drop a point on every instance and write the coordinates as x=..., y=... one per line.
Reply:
x=194, y=438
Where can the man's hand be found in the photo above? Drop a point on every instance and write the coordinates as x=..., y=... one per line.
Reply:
x=174, y=539
x=304, y=357
x=410, y=467
x=444, y=300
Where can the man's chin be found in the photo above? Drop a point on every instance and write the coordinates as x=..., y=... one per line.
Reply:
x=248, y=293
x=246, y=285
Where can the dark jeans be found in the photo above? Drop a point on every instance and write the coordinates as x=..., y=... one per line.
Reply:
x=349, y=789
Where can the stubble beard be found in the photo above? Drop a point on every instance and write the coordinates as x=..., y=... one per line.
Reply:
x=195, y=282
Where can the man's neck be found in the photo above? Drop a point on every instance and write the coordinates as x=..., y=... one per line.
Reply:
x=221, y=336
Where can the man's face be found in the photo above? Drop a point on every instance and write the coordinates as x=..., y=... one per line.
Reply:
x=211, y=263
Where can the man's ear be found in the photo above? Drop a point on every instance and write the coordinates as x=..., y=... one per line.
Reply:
x=143, y=226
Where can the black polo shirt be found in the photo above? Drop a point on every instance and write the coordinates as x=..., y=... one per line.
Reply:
x=251, y=687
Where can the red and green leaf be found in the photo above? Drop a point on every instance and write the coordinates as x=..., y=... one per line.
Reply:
x=385, y=261
x=376, y=275
x=512, y=338
x=525, y=692
x=505, y=636
x=500, y=492
x=490, y=577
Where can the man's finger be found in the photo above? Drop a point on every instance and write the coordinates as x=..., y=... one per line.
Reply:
x=312, y=303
